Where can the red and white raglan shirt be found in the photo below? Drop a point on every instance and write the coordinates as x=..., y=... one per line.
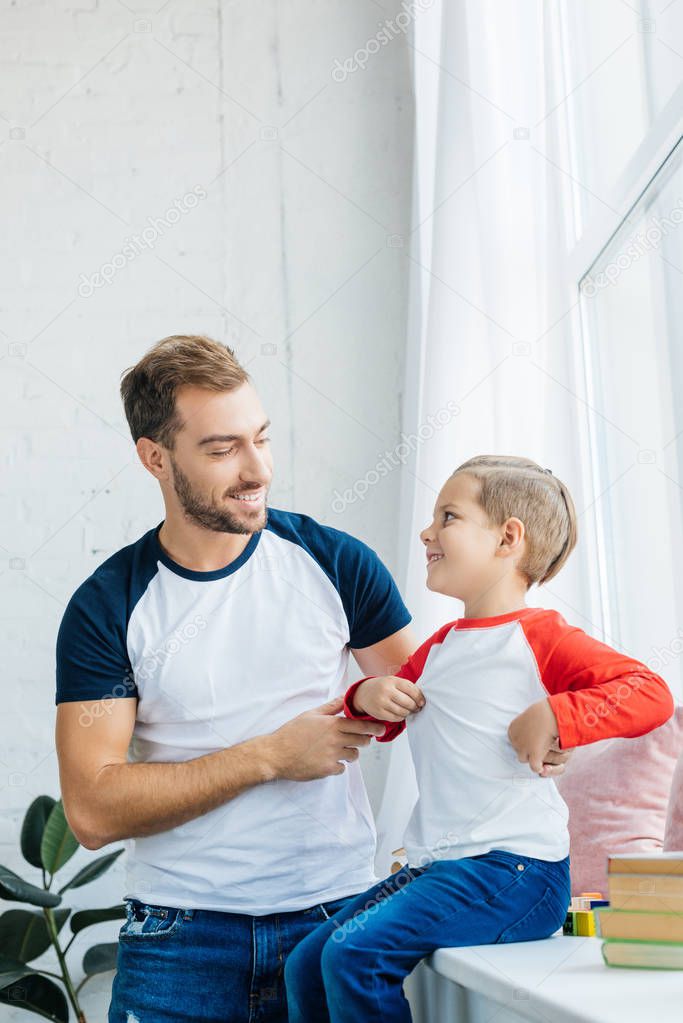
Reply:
x=477, y=674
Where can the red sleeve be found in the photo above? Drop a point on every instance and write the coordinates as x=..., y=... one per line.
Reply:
x=594, y=691
x=411, y=670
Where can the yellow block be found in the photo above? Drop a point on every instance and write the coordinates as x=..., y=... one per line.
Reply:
x=584, y=924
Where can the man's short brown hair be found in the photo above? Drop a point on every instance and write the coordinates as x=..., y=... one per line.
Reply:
x=149, y=388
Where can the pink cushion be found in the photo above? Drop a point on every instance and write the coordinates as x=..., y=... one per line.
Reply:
x=673, y=833
x=617, y=791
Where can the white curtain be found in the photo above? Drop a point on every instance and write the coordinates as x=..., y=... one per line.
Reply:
x=491, y=325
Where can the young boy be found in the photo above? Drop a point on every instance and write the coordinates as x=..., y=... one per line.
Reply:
x=485, y=697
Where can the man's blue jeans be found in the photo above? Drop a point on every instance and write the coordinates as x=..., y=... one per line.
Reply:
x=202, y=966
x=352, y=967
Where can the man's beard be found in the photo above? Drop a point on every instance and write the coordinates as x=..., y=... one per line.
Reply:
x=207, y=515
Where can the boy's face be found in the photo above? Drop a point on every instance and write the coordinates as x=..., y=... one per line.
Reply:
x=464, y=539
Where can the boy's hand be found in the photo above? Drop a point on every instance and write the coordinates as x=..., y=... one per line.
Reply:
x=534, y=734
x=554, y=761
x=388, y=698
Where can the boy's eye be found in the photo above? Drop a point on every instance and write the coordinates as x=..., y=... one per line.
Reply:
x=446, y=514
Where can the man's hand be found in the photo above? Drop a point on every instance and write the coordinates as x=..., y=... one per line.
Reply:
x=389, y=698
x=535, y=738
x=313, y=744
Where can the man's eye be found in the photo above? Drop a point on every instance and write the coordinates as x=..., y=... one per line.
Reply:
x=263, y=440
x=221, y=454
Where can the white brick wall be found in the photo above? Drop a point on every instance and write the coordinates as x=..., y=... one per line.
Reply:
x=108, y=116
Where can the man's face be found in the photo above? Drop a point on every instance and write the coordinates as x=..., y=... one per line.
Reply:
x=221, y=462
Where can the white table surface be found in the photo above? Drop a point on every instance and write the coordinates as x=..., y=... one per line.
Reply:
x=564, y=980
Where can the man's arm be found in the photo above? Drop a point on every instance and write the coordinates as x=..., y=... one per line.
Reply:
x=106, y=798
x=387, y=656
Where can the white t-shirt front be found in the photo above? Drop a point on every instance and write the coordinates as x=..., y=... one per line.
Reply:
x=215, y=658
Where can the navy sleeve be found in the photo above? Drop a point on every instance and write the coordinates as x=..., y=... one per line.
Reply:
x=372, y=603
x=371, y=599
x=92, y=657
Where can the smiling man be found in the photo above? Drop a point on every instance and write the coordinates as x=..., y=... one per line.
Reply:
x=200, y=673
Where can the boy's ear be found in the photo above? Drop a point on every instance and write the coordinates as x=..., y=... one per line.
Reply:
x=511, y=537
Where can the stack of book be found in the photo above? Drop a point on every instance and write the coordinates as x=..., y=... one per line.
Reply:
x=643, y=925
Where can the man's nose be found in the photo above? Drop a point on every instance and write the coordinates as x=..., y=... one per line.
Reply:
x=256, y=467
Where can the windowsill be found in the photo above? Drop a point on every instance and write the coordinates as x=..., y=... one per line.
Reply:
x=563, y=979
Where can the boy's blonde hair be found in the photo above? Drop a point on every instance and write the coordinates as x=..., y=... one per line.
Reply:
x=519, y=488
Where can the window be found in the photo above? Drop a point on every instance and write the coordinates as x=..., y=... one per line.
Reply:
x=626, y=137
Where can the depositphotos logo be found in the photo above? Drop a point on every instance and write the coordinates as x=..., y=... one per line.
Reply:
x=391, y=460
x=388, y=30
x=138, y=243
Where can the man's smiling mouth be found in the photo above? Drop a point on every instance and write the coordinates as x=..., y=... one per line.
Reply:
x=253, y=497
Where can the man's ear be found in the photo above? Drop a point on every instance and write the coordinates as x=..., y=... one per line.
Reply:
x=511, y=538
x=153, y=457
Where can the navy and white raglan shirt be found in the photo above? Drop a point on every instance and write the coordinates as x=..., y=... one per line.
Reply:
x=215, y=658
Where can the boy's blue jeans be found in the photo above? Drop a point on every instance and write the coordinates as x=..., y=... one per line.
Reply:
x=190, y=965
x=352, y=967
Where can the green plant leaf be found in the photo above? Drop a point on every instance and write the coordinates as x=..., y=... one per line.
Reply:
x=87, y=917
x=37, y=994
x=12, y=969
x=59, y=842
x=91, y=870
x=24, y=935
x=100, y=958
x=17, y=890
x=33, y=827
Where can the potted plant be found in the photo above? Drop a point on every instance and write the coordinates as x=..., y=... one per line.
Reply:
x=48, y=843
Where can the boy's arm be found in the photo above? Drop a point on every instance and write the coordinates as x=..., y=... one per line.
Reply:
x=595, y=692
x=410, y=670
